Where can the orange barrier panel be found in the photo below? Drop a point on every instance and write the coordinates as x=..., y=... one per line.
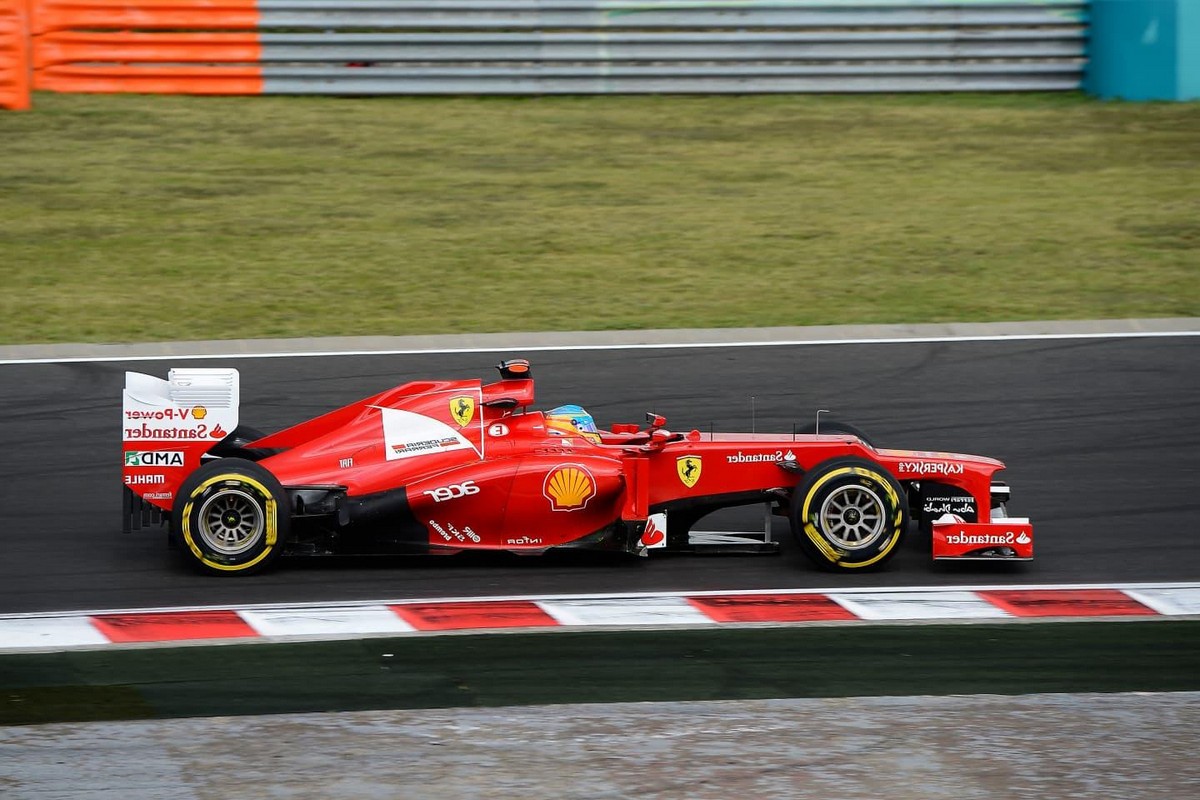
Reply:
x=14, y=55
x=66, y=47
x=51, y=15
x=147, y=46
x=151, y=80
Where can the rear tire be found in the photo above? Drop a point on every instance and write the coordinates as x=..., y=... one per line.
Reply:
x=849, y=514
x=231, y=517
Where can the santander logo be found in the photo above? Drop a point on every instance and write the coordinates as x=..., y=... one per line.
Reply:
x=655, y=535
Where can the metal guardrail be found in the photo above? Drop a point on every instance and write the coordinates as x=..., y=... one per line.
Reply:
x=560, y=46
x=654, y=14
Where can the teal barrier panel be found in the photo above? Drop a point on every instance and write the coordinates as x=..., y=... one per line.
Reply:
x=1144, y=50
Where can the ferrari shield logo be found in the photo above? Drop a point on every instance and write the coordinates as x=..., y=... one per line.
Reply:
x=688, y=468
x=463, y=410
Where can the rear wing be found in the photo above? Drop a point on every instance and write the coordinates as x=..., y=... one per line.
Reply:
x=167, y=427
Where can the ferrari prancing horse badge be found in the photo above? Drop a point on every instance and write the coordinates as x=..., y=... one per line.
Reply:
x=463, y=410
x=688, y=468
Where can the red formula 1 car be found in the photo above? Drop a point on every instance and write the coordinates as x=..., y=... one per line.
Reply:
x=452, y=465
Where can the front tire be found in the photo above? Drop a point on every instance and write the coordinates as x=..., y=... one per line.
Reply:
x=849, y=514
x=231, y=517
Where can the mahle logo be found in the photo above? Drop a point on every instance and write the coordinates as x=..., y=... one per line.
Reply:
x=154, y=458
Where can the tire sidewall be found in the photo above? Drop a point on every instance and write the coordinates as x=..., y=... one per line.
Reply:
x=822, y=481
x=209, y=481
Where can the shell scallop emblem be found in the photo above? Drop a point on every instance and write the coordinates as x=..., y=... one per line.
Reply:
x=569, y=487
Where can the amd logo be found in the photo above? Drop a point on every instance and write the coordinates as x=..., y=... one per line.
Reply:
x=153, y=458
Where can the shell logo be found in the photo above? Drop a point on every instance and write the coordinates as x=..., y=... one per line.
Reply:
x=569, y=487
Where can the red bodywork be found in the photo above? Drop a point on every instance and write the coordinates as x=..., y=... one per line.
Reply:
x=461, y=465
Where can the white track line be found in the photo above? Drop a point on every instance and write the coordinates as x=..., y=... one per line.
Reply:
x=1016, y=337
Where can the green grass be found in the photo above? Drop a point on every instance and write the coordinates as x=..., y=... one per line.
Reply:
x=159, y=218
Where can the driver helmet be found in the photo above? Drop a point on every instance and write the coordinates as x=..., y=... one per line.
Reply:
x=572, y=420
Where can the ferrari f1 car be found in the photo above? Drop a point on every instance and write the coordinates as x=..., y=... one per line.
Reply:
x=444, y=466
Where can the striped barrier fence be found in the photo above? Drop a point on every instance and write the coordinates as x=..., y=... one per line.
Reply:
x=390, y=47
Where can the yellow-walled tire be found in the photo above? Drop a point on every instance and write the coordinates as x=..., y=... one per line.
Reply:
x=231, y=517
x=849, y=514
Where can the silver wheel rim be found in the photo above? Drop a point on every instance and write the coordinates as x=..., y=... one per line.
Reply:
x=230, y=522
x=853, y=517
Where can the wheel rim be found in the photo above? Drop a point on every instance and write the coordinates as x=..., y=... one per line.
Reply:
x=853, y=517
x=230, y=522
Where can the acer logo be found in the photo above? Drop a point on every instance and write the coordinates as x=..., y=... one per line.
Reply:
x=453, y=491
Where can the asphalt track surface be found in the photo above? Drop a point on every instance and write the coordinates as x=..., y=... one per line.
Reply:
x=1101, y=436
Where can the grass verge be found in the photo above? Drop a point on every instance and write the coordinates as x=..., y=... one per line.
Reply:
x=521, y=669
x=128, y=218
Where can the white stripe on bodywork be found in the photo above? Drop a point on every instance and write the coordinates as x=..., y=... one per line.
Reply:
x=403, y=428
